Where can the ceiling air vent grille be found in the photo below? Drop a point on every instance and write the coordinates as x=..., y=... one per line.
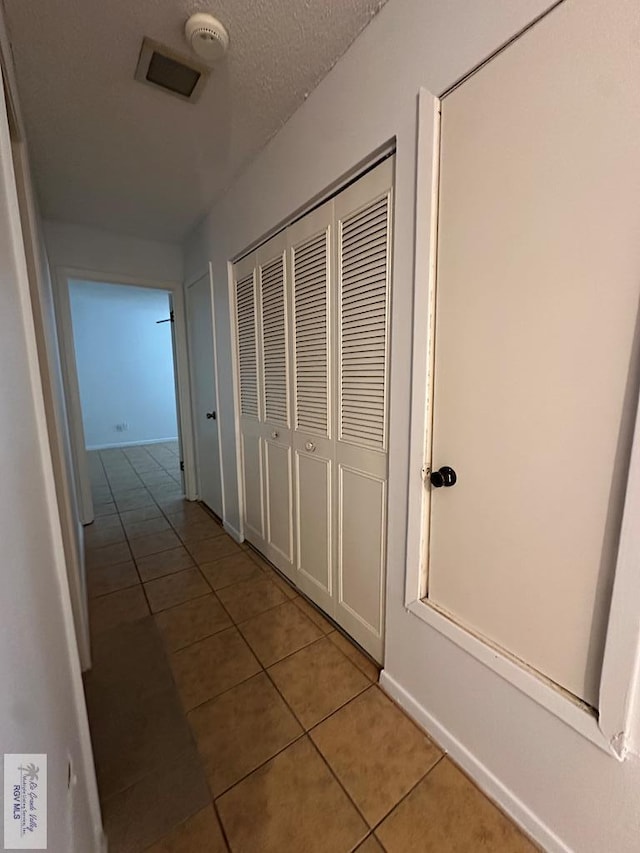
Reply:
x=163, y=68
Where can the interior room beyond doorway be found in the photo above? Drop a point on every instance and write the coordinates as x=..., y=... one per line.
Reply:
x=124, y=355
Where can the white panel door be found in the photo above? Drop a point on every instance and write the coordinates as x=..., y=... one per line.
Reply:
x=249, y=400
x=311, y=275
x=536, y=359
x=363, y=246
x=203, y=381
x=274, y=310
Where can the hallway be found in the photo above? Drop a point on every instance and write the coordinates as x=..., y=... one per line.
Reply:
x=227, y=713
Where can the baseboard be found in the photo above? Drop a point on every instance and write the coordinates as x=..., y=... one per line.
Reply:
x=484, y=778
x=122, y=446
x=233, y=533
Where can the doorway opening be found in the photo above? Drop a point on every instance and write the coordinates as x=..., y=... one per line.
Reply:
x=124, y=355
x=124, y=351
x=127, y=381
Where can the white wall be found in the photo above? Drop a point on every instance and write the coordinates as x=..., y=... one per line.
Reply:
x=96, y=251
x=41, y=701
x=95, y=254
x=125, y=363
x=563, y=788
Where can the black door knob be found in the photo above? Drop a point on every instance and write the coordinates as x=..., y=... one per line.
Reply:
x=211, y=416
x=445, y=476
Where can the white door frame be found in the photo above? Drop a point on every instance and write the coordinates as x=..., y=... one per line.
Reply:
x=62, y=276
x=612, y=730
x=189, y=283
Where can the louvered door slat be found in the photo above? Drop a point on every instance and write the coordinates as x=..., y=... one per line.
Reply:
x=311, y=334
x=364, y=272
x=274, y=342
x=247, y=351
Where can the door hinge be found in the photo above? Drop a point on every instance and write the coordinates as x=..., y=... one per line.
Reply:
x=169, y=319
x=181, y=465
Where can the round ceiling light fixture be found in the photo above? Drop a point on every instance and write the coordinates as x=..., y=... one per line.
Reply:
x=207, y=37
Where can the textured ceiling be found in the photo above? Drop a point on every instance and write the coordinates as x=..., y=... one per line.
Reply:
x=110, y=152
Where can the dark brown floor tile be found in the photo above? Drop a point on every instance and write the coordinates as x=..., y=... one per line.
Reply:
x=123, y=487
x=188, y=512
x=317, y=680
x=114, y=609
x=187, y=623
x=103, y=531
x=137, y=739
x=196, y=531
x=230, y=570
x=154, y=543
x=100, y=490
x=279, y=632
x=104, y=509
x=134, y=500
x=371, y=845
x=314, y=614
x=156, y=805
x=207, y=550
x=447, y=813
x=164, y=563
x=211, y=666
x=240, y=730
x=283, y=585
x=108, y=555
x=172, y=505
x=176, y=588
x=166, y=492
x=292, y=803
x=249, y=598
x=376, y=751
x=108, y=579
x=364, y=664
x=201, y=833
x=129, y=665
x=147, y=527
x=143, y=513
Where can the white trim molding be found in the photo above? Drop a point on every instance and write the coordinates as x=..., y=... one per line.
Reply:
x=479, y=772
x=124, y=445
x=611, y=728
x=233, y=533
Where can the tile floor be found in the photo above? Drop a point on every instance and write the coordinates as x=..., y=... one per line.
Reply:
x=228, y=714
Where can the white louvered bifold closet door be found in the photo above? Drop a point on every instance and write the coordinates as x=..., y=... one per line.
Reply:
x=276, y=432
x=363, y=241
x=312, y=338
x=310, y=263
x=249, y=392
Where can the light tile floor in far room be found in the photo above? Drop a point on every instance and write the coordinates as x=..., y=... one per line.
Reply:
x=228, y=714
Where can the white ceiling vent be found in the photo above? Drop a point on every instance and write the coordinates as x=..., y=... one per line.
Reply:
x=165, y=69
x=206, y=36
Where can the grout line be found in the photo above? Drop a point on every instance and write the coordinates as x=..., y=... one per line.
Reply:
x=220, y=824
x=404, y=796
x=295, y=740
x=338, y=780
